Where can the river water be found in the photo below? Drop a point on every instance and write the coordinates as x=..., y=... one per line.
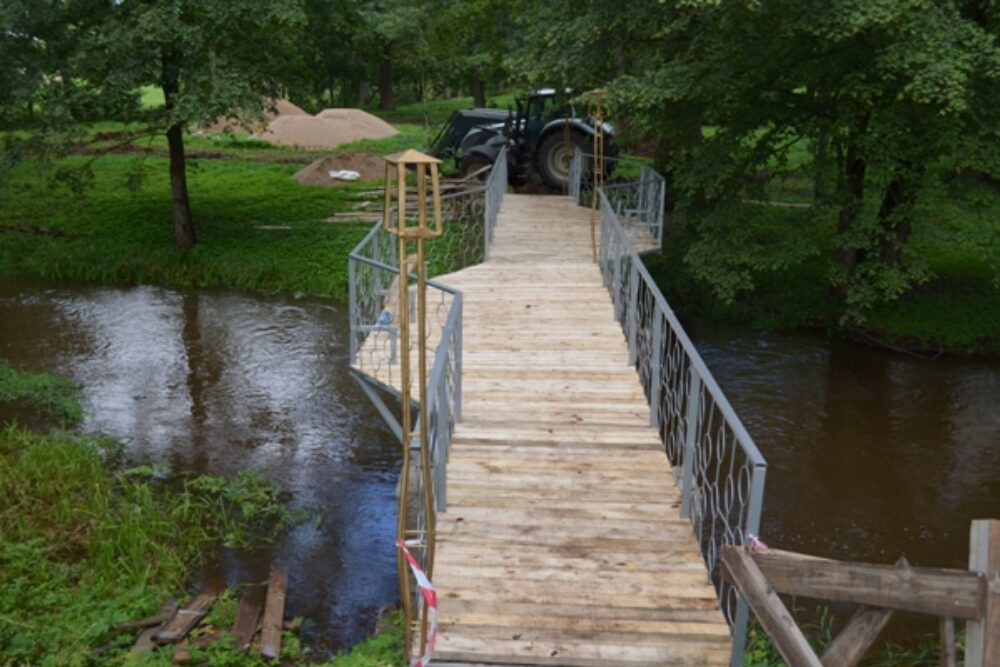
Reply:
x=219, y=382
x=871, y=454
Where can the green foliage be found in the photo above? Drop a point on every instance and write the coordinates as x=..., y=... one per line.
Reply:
x=53, y=397
x=83, y=547
x=385, y=649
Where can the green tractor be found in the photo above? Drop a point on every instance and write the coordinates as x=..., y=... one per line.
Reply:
x=541, y=134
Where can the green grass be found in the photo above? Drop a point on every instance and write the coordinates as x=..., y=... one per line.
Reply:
x=53, y=398
x=111, y=234
x=84, y=546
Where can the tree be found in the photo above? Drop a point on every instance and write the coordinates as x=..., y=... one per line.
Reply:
x=211, y=58
x=886, y=94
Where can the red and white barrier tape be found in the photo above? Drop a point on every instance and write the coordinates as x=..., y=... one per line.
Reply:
x=430, y=596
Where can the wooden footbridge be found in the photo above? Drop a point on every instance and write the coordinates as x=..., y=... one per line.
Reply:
x=587, y=469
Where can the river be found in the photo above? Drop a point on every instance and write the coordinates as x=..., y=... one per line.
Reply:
x=871, y=454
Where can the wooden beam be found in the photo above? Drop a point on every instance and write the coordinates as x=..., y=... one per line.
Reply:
x=188, y=617
x=847, y=649
x=739, y=568
x=982, y=640
x=857, y=637
x=949, y=652
x=938, y=592
x=274, y=612
x=247, y=615
x=145, y=643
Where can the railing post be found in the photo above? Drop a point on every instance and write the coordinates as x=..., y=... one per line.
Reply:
x=690, y=441
x=633, y=311
x=982, y=641
x=739, y=631
x=458, y=358
x=352, y=308
x=656, y=367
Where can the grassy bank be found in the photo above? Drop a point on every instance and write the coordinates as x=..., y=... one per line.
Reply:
x=49, y=397
x=85, y=545
x=118, y=228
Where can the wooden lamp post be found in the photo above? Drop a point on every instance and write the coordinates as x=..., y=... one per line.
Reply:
x=413, y=227
x=596, y=112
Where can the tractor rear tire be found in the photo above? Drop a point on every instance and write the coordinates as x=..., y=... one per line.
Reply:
x=554, y=157
x=472, y=163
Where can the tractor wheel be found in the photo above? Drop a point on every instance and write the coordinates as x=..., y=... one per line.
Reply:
x=472, y=163
x=555, y=156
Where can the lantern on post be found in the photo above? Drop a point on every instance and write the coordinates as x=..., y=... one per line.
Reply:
x=596, y=112
x=413, y=223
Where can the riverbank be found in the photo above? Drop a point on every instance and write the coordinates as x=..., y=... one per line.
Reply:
x=88, y=543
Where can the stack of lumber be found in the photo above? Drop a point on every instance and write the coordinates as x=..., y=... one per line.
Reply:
x=368, y=204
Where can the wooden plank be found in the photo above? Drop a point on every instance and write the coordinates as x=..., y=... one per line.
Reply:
x=166, y=612
x=739, y=568
x=247, y=615
x=982, y=641
x=847, y=649
x=145, y=643
x=949, y=651
x=188, y=616
x=579, y=654
x=274, y=611
x=938, y=592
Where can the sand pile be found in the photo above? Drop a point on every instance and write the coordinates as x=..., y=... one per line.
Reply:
x=281, y=108
x=371, y=126
x=329, y=129
x=370, y=167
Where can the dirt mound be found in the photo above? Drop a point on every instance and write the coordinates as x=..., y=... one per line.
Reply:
x=318, y=173
x=316, y=132
x=371, y=126
x=282, y=108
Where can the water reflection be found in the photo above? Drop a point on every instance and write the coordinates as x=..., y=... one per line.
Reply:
x=871, y=454
x=219, y=382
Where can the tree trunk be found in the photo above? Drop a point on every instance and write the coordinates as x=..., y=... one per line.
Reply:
x=183, y=227
x=364, y=92
x=386, y=92
x=478, y=91
x=184, y=234
x=821, y=180
x=894, y=214
x=855, y=170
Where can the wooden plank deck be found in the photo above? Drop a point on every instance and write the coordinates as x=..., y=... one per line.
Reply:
x=562, y=543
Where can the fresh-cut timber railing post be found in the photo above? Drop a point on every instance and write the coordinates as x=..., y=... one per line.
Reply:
x=971, y=595
x=597, y=115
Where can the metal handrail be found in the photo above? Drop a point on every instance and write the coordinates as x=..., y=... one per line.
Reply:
x=640, y=203
x=720, y=470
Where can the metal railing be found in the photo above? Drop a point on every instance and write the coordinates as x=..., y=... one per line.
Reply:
x=635, y=190
x=718, y=467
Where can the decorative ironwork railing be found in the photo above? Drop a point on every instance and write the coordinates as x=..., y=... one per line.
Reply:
x=718, y=467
